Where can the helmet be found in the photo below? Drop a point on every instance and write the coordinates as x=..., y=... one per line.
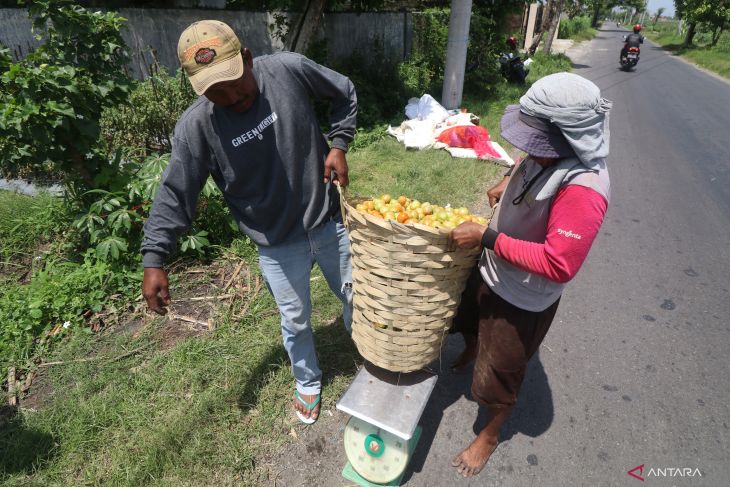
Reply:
x=637, y=28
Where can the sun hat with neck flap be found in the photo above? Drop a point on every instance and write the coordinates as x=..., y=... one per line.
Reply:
x=209, y=52
x=561, y=115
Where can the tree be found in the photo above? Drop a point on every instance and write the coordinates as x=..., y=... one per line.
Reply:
x=551, y=23
x=714, y=13
x=598, y=6
x=659, y=13
x=574, y=8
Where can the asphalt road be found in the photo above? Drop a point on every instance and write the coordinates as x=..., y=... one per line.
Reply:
x=635, y=369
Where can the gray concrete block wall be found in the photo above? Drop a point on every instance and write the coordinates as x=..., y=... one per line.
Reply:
x=15, y=33
x=160, y=29
x=348, y=33
x=157, y=30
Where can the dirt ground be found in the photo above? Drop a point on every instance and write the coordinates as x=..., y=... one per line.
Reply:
x=196, y=301
x=316, y=454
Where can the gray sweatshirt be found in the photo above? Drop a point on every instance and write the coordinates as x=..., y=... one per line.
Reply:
x=268, y=162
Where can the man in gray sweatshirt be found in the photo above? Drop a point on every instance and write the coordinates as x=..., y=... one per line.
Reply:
x=254, y=131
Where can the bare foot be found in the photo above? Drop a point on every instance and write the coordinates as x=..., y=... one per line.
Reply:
x=472, y=459
x=467, y=356
x=299, y=406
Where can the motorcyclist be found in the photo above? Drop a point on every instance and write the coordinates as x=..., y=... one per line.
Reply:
x=513, y=69
x=632, y=40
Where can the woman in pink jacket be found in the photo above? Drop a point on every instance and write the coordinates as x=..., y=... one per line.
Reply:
x=550, y=209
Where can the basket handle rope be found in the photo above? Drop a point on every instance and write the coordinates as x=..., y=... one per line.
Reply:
x=343, y=203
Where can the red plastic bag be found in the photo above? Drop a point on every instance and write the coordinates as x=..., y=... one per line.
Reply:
x=470, y=137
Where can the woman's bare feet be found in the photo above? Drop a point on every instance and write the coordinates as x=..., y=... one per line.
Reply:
x=472, y=459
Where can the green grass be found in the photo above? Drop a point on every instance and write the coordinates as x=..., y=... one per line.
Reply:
x=430, y=175
x=702, y=53
x=26, y=223
x=584, y=35
x=207, y=410
x=577, y=28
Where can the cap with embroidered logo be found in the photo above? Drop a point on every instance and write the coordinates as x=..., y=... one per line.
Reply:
x=209, y=52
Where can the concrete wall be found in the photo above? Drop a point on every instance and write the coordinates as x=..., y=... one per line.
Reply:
x=159, y=30
x=15, y=33
x=349, y=32
x=153, y=33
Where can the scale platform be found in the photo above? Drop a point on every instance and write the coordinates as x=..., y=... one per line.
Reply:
x=393, y=401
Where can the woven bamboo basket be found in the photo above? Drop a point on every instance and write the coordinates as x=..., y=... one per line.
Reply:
x=407, y=286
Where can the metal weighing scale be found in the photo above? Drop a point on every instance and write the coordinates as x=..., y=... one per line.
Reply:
x=383, y=431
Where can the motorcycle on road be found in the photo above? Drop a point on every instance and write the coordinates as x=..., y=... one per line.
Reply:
x=630, y=58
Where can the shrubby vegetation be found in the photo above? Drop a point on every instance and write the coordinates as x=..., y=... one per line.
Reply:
x=52, y=100
x=145, y=122
x=72, y=115
x=575, y=28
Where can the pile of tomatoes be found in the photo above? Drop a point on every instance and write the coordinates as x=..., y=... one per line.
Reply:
x=406, y=210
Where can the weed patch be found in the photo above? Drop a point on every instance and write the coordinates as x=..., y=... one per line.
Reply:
x=202, y=411
x=26, y=224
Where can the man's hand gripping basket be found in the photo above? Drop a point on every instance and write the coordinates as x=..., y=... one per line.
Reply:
x=407, y=285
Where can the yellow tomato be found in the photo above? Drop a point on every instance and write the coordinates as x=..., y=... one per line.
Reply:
x=402, y=200
x=385, y=198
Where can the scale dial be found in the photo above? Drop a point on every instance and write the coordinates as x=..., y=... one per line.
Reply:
x=377, y=455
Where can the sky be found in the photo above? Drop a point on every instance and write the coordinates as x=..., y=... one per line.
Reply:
x=653, y=5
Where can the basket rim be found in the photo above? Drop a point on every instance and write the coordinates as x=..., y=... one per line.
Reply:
x=419, y=226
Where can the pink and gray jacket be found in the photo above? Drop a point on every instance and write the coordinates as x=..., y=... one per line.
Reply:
x=547, y=220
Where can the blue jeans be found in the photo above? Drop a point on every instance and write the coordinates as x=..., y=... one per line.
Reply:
x=286, y=269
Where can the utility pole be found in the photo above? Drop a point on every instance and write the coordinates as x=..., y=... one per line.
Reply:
x=456, y=53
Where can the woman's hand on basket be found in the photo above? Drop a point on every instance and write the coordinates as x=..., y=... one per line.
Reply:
x=468, y=235
x=495, y=192
x=336, y=163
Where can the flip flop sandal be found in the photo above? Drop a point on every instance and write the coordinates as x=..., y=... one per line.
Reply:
x=310, y=407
